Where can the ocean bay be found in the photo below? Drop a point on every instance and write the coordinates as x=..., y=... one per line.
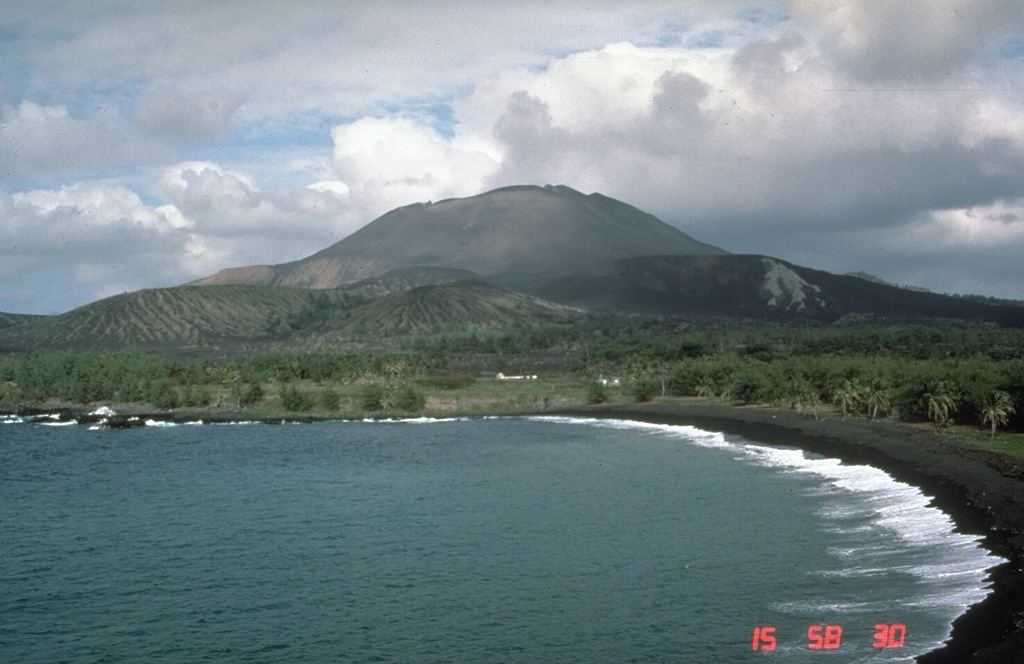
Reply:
x=521, y=539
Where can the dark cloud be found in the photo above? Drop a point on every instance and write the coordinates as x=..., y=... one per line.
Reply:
x=535, y=148
x=187, y=119
x=911, y=41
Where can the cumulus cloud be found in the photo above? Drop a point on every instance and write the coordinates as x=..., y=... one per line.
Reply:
x=388, y=162
x=88, y=240
x=228, y=205
x=97, y=239
x=44, y=217
x=36, y=139
x=187, y=119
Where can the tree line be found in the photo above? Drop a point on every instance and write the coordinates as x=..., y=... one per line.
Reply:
x=168, y=382
x=941, y=391
x=920, y=372
x=941, y=373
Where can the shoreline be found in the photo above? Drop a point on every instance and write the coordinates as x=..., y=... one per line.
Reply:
x=982, y=491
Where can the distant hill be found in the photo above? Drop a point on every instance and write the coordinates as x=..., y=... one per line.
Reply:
x=878, y=280
x=404, y=279
x=755, y=287
x=513, y=236
x=13, y=320
x=178, y=318
x=228, y=317
x=732, y=286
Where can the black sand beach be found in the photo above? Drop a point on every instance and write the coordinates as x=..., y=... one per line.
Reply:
x=982, y=491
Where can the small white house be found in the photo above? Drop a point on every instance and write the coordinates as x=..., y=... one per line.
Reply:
x=502, y=376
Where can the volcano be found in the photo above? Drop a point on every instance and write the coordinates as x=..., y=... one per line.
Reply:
x=517, y=237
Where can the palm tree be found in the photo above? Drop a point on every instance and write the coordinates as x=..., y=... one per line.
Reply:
x=388, y=397
x=395, y=369
x=877, y=397
x=706, y=390
x=846, y=395
x=941, y=402
x=809, y=397
x=997, y=410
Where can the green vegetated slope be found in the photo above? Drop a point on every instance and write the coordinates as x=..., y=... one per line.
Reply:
x=175, y=318
x=464, y=306
x=403, y=279
x=13, y=320
x=229, y=317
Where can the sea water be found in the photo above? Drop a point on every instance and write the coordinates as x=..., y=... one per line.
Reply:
x=484, y=540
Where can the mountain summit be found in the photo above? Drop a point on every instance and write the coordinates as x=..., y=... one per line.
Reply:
x=517, y=236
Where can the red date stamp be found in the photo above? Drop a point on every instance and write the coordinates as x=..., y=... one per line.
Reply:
x=830, y=637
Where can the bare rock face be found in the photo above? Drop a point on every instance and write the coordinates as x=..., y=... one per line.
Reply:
x=785, y=289
x=256, y=275
x=515, y=236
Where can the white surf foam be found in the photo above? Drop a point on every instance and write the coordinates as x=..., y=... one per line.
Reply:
x=690, y=434
x=857, y=500
x=419, y=420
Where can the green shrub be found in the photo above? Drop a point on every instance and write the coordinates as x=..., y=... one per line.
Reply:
x=294, y=399
x=330, y=399
x=597, y=392
x=162, y=395
x=409, y=399
x=247, y=394
x=644, y=389
x=371, y=397
x=197, y=396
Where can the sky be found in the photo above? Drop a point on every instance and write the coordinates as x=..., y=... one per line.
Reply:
x=148, y=144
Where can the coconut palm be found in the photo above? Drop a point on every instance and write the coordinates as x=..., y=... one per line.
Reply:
x=809, y=397
x=846, y=395
x=997, y=410
x=942, y=401
x=388, y=397
x=877, y=398
x=395, y=369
